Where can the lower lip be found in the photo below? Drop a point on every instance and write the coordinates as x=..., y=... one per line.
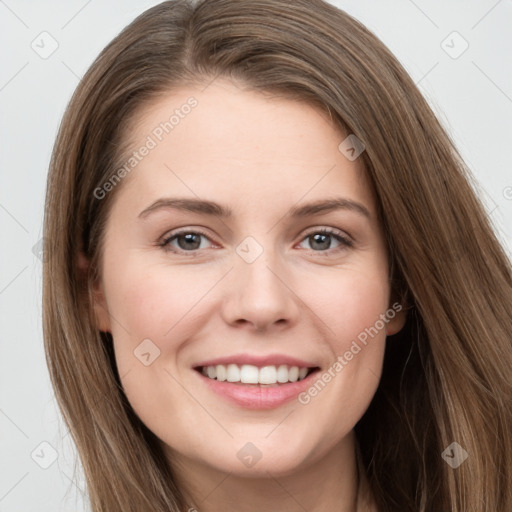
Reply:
x=254, y=396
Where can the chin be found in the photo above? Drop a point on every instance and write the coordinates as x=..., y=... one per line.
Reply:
x=277, y=464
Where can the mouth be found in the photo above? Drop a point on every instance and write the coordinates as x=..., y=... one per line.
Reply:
x=256, y=387
x=256, y=381
x=256, y=376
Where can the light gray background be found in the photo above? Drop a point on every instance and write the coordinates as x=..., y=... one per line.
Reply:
x=472, y=95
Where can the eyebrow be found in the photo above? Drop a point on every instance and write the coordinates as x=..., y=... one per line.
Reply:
x=211, y=208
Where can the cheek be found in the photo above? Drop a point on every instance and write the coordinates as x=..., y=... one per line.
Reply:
x=155, y=305
x=154, y=317
x=352, y=307
x=349, y=302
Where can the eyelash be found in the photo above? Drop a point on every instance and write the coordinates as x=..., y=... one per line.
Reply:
x=344, y=241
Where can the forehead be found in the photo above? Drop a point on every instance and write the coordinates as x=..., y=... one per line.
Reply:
x=223, y=139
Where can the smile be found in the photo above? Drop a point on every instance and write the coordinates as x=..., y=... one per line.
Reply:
x=250, y=374
x=256, y=382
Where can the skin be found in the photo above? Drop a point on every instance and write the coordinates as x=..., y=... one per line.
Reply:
x=258, y=155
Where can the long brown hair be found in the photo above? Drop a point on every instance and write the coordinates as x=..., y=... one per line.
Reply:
x=447, y=375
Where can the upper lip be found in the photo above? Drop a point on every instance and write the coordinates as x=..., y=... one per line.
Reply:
x=259, y=361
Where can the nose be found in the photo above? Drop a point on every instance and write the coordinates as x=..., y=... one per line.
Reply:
x=259, y=295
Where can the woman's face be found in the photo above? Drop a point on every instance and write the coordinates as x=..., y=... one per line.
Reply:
x=186, y=286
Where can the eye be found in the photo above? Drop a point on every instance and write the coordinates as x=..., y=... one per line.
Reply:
x=321, y=240
x=190, y=241
x=187, y=241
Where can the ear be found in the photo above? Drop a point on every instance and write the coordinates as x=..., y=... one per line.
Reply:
x=396, y=323
x=101, y=315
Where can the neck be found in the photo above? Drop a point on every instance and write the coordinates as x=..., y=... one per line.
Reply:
x=334, y=482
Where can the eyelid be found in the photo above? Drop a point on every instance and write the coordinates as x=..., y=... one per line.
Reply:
x=345, y=240
x=330, y=231
x=165, y=239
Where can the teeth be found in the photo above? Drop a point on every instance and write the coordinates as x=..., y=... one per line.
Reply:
x=249, y=374
x=293, y=374
x=282, y=373
x=222, y=374
x=267, y=375
x=233, y=373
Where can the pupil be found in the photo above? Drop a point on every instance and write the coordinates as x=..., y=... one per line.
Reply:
x=321, y=239
x=189, y=239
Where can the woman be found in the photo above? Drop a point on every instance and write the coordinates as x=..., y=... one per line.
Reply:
x=246, y=198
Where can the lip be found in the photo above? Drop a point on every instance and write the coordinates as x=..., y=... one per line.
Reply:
x=255, y=396
x=259, y=361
